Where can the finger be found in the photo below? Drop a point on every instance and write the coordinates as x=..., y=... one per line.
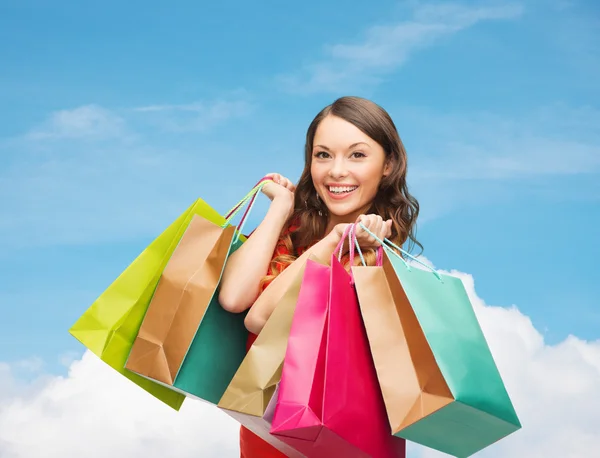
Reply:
x=291, y=186
x=370, y=222
x=272, y=176
x=388, y=228
x=378, y=229
x=340, y=228
x=379, y=225
x=287, y=183
x=357, y=225
x=267, y=187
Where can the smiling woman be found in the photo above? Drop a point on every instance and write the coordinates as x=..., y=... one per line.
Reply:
x=355, y=165
x=355, y=170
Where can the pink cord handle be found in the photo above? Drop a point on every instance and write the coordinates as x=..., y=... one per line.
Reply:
x=250, y=203
x=340, y=245
x=354, y=247
x=380, y=256
x=352, y=243
x=234, y=209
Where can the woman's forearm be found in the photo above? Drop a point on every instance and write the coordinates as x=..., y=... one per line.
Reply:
x=246, y=267
x=261, y=310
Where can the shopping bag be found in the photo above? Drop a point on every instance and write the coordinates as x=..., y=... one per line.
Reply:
x=109, y=326
x=250, y=397
x=440, y=383
x=187, y=341
x=329, y=401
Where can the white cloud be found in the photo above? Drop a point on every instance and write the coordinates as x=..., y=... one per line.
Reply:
x=552, y=140
x=98, y=181
x=198, y=116
x=563, y=5
x=470, y=159
x=553, y=387
x=116, y=192
x=512, y=158
x=7, y=381
x=88, y=121
x=386, y=47
x=34, y=364
x=196, y=107
x=94, y=412
x=21, y=378
x=93, y=122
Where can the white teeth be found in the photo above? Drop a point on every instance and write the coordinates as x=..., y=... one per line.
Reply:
x=342, y=189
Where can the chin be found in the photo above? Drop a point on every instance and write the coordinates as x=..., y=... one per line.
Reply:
x=350, y=207
x=345, y=212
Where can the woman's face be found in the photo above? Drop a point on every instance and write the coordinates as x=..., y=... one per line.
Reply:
x=347, y=167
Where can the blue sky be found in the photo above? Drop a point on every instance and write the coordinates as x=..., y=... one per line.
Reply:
x=115, y=116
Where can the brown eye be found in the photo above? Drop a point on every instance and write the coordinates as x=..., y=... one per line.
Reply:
x=358, y=154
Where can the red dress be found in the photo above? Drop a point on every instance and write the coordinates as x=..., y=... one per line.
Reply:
x=252, y=446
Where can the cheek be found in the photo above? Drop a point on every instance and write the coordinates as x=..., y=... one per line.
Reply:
x=369, y=177
x=316, y=173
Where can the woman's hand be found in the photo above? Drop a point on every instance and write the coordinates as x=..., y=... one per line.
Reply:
x=374, y=223
x=281, y=193
x=280, y=187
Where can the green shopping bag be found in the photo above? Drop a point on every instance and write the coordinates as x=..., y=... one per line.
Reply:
x=465, y=409
x=110, y=325
x=187, y=341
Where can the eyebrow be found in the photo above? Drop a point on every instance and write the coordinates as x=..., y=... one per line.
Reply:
x=353, y=145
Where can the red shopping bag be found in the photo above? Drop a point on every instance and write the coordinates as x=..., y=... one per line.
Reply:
x=329, y=400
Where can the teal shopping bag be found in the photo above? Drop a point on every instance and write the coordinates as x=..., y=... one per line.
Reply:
x=472, y=409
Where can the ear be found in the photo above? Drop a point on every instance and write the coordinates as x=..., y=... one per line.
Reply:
x=388, y=167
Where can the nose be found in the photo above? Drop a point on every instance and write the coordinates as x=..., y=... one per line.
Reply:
x=338, y=168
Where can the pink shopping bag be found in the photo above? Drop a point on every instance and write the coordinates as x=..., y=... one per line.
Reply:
x=329, y=399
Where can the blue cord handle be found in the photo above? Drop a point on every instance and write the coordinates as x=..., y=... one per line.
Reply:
x=386, y=242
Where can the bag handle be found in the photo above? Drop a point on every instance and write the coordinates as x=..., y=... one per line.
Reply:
x=250, y=197
x=340, y=244
x=386, y=243
x=354, y=247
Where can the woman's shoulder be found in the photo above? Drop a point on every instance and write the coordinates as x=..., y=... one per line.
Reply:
x=292, y=226
x=285, y=244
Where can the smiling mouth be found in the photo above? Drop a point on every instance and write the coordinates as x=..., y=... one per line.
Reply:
x=341, y=190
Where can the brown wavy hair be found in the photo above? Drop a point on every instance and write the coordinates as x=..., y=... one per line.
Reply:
x=393, y=200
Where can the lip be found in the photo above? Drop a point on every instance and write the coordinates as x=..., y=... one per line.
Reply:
x=339, y=184
x=339, y=196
